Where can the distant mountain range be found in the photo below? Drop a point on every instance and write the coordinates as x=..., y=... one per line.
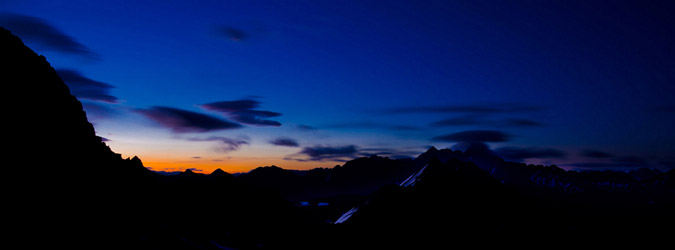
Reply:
x=362, y=176
x=66, y=188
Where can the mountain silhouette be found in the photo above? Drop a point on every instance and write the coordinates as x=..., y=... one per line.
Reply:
x=358, y=177
x=62, y=173
x=362, y=176
x=443, y=201
x=459, y=201
x=221, y=175
x=66, y=187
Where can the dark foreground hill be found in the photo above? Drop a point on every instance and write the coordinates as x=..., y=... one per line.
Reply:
x=457, y=200
x=65, y=188
x=61, y=179
x=475, y=197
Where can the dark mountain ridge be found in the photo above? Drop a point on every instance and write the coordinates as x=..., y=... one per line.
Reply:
x=69, y=189
x=364, y=175
x=458, y=200
x=61, y=171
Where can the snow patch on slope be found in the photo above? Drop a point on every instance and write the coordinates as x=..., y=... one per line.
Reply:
x=410, y=181
x=346, y=215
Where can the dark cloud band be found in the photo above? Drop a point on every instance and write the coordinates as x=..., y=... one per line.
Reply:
x=467, y=109
x=477, y=120
x=226, y=144
x=520, y=154
x=183, y=121
x=86, y=88
x=243, y=111
x=42, y=32
x=474, y=136
x=595, y=154
x=285, y=141
x=327, y=153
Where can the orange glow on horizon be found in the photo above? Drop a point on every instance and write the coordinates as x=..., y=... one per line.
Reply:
x=173, y=155
x=239, y=165
x=198, y=167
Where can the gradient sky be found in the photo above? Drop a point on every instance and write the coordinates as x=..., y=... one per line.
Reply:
x=303, y=84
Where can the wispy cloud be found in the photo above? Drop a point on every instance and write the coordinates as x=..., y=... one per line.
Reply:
x=372, y=125
x=458, y=121
x=174, y=171
x=98, y=110
x=480, y=120
x=226, y=144
x=43, y=33
x=243, y=111
x=519, y=122
x=520, y=154
x=390, y=152
x=285, y=141
x=86, y=88
x=465, y=109
x=304, y=127
x=234, y=34
x=326, y=153
x=183, y=121
x=474, y=136
x=630, y=160
x=619, y=162
x=595, y=154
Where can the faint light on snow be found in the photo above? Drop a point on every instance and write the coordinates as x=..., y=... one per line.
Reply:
x=346, y=215
x=410, y=181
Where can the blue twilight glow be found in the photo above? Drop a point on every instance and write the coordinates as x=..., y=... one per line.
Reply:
x=301, y=84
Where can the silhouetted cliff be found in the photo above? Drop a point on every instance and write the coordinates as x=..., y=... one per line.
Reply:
x=61, y=173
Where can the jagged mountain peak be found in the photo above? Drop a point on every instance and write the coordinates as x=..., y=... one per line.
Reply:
x=218, y=172
x=43, y=107
x=188, y=172
x=432, y=149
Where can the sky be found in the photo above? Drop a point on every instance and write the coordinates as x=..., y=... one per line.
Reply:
x=585, y=85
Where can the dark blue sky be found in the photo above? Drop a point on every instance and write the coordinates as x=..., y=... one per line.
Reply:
x=300, y=84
